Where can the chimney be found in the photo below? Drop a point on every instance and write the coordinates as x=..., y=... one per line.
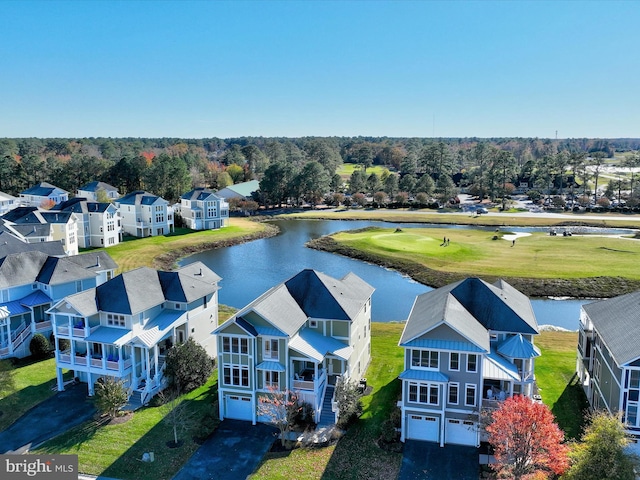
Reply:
x=97, y=261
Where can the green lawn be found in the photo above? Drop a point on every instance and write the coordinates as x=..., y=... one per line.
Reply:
x=346, y=169
x=160, y=250
x=474, y=252
x=23, y=386
x=448, y=217
x=558, y=382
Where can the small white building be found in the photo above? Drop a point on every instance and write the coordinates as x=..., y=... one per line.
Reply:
x=201, y=209
x=99, y=224
x=90, y=191
x=144, y=214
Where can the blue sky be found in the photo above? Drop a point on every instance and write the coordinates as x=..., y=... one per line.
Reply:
x=293, y=68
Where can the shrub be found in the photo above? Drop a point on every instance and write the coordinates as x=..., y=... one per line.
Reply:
x=349, y=402
x=111, y=396
x=39, y=346
x=188, y=366
x=302, y=415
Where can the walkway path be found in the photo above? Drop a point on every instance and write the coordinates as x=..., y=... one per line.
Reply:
x=48, y=419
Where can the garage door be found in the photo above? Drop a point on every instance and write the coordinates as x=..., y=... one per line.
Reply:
x=461, y=432
x=422, y=427
x=238, y=408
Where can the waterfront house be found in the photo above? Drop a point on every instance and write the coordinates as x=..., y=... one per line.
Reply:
x=201, y=209
x=467, y=346
x=608, y=362
x=298, y=336
x=123, y=328
x=32, y=281
x=144, y=214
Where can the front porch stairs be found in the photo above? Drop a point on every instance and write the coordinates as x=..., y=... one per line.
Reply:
x=135, y=401
x=327, y=417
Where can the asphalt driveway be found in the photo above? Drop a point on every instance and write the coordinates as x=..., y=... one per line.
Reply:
x=232, y=452
x=48, y=419
x=429, y=461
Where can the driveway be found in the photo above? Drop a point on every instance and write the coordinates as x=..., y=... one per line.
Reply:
x=232, y=452
x=48, y=419
x=429, y=461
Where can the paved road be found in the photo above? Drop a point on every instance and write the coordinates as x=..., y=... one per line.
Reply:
x=232, y=452
x=429, y=461
x=48, y=419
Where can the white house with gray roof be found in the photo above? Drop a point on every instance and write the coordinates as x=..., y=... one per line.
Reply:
x=90, y=191
x=467, y=346
x=98, y=224
x=298, y=336
x=43, y=194
x=123, y=328
x=32, y=281
x=201, y=209
x=144, y=214
x=609, y=359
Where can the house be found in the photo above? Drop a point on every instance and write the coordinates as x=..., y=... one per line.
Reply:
x=298, y=336
x=608, y=363
x=242, y=190
x=467, y=346
x=201, y=209
x=12, y=242
x=7, y=202
x=43, y=194
x=123, y=328
x=90, y=191
x=35, y=226
x=32, y=281
x=144, y=214
x=99, y=224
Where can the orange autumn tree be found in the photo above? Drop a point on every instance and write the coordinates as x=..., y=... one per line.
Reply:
x=526, y=440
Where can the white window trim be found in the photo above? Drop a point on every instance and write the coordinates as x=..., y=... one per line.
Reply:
x=420, y=367
x=451, y=362
x=474, y=387
x=457, y=385
x=469, y=355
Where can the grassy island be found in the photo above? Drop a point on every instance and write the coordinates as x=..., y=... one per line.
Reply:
x=536, y=264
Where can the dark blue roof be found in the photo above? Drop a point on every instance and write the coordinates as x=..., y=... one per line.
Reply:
x=42, y=189
x=311, y=294
x=172, y=286
x=139, y=196
x=18, y=213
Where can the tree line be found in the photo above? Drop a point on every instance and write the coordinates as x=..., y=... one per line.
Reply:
x=304, y=169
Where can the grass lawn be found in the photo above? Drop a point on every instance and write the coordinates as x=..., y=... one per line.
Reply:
x=115, y=450
x=23, y=386
x=558, y=382
x=139, y=252
x=474, y=252
x=450, y=217
x=346, y=169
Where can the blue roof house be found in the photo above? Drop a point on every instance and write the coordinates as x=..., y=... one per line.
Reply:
x=144, y=214
x=43, y=193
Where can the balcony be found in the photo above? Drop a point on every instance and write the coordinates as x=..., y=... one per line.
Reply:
x=77, y=331
x=43, y=326
x=67, y=360
x=306, y=381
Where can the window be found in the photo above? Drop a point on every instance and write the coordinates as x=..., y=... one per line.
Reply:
x=235, y=345
x=313, y=323
x=115, y=320
x=236, y=375
x=454, y=361
x=271, y=379
x=424, y=359
x=633, y=399
x=470, y=395
x=453, y=393
x=423, y=393
x=472, y=363
x=270, y=349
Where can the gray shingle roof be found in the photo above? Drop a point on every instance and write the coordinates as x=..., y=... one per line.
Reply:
x=139, y=197
x=11, y=244
x=96, y=261
x=29, y=267
x=200, y=194
x=617, y=321
x=471, y=307
x=95, y=186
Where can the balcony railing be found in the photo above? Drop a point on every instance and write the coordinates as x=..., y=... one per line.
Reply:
x=307, y=382
x=75, y=331
x=41, y=326
x=65, y=358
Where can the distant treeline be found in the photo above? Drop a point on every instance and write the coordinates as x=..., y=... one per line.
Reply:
x=290, y=167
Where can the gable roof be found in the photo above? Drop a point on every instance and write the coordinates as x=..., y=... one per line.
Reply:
x=471, y=307
x=33, y=266
x=617, y=321
x=200, y=194
x=95, y=186
x=11, y=243
x=96, y=261
x=244, y=189
x=42, y=189
x=140, y=197
x=309, y=294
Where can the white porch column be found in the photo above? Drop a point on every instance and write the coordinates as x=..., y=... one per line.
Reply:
x=91, y=382
x=59, y=379
x=147, y=368
x=155, y=359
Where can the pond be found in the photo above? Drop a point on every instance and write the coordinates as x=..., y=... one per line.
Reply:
x=250, y=269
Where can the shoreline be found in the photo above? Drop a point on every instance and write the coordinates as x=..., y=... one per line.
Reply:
x=578, y=288
x=168, y=261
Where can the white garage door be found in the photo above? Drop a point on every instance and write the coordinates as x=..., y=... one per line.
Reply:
x=238, y=408
x=461, y=432
x=422, y=427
